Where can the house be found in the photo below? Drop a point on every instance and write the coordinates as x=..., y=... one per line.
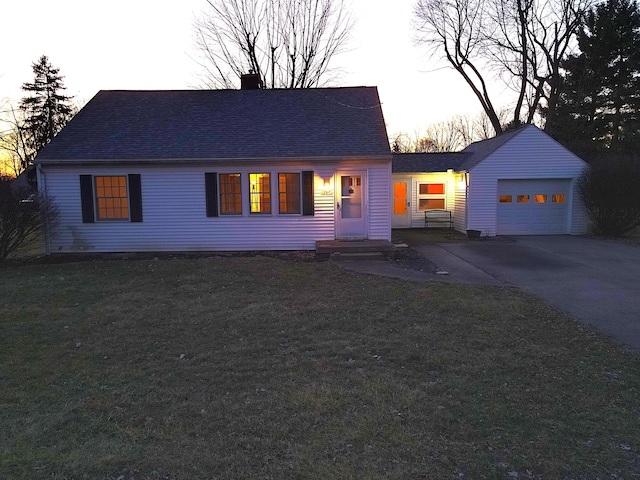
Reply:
x=519, y=183
x=223, y=170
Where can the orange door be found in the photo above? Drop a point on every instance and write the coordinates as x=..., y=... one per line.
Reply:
x=401, y=204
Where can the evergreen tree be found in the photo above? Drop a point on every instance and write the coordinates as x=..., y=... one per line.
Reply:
x=46, y=109
x=599, y=104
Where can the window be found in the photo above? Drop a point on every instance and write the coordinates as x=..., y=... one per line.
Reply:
x=289, y=193
x=506, y=199
x=431, y=196
x=111, y=198
x=540, y=198
x=558, y=198
x=431, y=189
x=431, y=204
x=522, y=198
x=230, y=194
x=223, y=193
x=260, y=192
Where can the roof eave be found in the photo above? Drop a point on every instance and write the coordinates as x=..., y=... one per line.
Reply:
x=175, y=161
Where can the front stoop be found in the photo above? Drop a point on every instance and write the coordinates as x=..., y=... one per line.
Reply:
x=354, y=249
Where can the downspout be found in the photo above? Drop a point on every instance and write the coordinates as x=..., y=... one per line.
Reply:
x=466, y=200
x=42, y=192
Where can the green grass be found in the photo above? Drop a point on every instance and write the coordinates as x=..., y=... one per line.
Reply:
x=255, y=367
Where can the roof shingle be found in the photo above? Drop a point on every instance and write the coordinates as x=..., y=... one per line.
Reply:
x=428, y=162
x=224, y=124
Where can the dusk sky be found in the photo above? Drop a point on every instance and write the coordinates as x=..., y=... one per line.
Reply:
x=148, y=44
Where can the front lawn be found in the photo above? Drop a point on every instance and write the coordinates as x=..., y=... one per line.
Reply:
x=255, y=367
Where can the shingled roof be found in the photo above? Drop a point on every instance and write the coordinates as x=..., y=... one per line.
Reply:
x=428, y=162
x=468, y=158
x=223, y=124
x=480, y=150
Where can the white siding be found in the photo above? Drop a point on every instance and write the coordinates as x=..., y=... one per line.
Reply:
x=417, y=215
x=580, y=219
x=379, y=180
x=531, y=154
x=174, y=211
x=460, y=208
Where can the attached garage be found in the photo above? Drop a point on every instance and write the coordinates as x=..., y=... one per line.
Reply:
x=533, y=207
x=522, y=182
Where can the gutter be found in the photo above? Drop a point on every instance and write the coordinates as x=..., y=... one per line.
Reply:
x=199, y=161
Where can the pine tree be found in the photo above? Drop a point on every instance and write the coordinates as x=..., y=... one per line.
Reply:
x=46, y=109
x=599, y=105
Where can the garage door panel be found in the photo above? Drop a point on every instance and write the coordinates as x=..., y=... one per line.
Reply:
x=536, y=207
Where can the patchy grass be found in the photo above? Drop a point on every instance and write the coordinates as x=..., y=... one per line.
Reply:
x=256, y=367
x=422, y=236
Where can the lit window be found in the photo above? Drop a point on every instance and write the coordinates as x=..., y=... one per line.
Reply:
x=522, y=198
x=505, y=199
x=558, y=198
x=260, y=192
x=431, y=196
x=289, y=193
x=431, y=204
x=540, y=198
x=111, y=198
x=431, y=188
x=230, y=194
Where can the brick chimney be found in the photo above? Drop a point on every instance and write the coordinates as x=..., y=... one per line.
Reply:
x=250, y=81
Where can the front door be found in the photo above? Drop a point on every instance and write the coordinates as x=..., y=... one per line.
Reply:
x=401, y=217
x=351, y=214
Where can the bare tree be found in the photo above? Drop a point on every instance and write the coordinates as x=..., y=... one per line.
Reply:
x=522, y=42
x=23, y=216
x=289, y=43
x=13, y=141
x=451, y=135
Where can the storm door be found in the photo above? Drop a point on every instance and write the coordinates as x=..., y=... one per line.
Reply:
x=351, y=214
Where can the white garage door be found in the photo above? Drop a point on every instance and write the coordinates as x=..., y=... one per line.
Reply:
x=533, y=207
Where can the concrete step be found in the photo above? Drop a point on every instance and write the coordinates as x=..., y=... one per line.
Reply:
x=362, y=249
x=347, y=256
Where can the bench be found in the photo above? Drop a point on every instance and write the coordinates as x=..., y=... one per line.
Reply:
x=438, y=219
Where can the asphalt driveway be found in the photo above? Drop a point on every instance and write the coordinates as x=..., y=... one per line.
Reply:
x=597, y=281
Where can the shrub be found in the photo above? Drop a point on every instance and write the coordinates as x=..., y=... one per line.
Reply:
x=611, y=193
x=23, y=215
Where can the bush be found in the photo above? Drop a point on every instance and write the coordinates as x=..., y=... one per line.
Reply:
x=23, y=215
x=611, y=193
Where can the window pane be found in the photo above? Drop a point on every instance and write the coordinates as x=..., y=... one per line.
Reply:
x=523, y=198
x=260, y=192
x=506, y=199
x=351, y=208
x=431, y=204
x=540, y=198
x=431, y=189
x=289, y=193
x=111, y=197
x=558, y=198
x=230, y=194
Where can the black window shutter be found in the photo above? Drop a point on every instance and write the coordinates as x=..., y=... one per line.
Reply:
x=211, y=193
x=135, y=197
x=307, y=193
x=86, y=198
